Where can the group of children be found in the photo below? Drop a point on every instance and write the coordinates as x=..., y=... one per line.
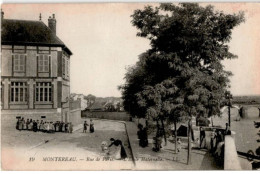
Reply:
x=43, y=126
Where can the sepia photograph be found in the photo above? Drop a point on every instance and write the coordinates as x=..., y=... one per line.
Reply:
x=130, y=86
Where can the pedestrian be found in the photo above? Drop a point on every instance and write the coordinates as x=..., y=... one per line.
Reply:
x=38, y=125
x=212, y=140
x=91, y=126
x=179, y=144
x=20, y=125
x=157, y=141
x=70, y=127
x=120, y=152
x=51, y=127
x=17, y=123
x=219, y=138
x=60, y=126
x=85, y=127
x=202, y=137
x=34, y=126
x=27, y=123
x=140, y=134
x=66, y=125
x=30, y=125
x=227, y=130
x=23, y=123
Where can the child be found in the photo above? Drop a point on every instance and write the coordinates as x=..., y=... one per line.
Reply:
x=85, y=127
x=104, y=147
x=179, y=144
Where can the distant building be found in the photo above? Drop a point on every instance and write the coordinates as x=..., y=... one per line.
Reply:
x=83, y=102
x=35, y=77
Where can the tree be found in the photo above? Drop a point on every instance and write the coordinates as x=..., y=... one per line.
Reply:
x=181, y=75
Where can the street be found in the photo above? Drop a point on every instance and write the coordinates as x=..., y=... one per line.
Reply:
x=26, y=150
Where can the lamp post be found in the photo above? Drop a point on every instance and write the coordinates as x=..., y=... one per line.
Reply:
x=229, y=96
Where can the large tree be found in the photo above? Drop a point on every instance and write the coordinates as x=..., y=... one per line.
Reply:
x=182, y=74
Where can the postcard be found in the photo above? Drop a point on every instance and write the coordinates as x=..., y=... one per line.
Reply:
x=130, y=86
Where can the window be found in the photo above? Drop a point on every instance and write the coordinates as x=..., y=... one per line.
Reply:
x=43, y=92
x=19, y=63
x=18, y=92
x=43, y=63
x=64, y=66
x=68, y=70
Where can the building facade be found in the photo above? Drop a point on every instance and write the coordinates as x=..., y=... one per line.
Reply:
x=35, y=73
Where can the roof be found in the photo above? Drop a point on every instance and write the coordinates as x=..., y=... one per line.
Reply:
x=25, y=32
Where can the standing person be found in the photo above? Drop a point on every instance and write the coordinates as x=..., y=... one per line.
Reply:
x=55, y=126
x=66, y=125
x=27, y=123
x=120, y=153
x=85, y=127
x=17, y=123
x=179, y=144
x=60, y=126
x=38, y=125
x=20, y=125
x=145, y=137
x=202, y=137
x=91, y=126
x=70, y=127
x=227, y=130
x=41, y=125
x=23, y=123
x=212, y=140
x=34, y=126
x=219, y=139
x=30, y=125
x=140, y=134
x=51, y=127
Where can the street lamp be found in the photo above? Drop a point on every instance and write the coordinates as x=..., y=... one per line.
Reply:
x=229, y=97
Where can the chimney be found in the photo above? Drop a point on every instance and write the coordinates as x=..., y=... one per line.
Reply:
x=52, y=23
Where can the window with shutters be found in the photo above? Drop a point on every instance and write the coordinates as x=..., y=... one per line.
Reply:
x=65, y=67
x=43, y=63
x=19, y=62
x=43, y=92
x=19, y=91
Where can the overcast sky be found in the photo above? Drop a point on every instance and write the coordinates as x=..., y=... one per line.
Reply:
x=104, y=43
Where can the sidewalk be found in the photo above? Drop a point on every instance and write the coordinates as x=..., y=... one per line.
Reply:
x=166, y=158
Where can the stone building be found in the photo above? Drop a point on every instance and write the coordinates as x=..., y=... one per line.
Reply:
x=35, y=73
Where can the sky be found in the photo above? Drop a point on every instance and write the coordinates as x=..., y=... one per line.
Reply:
x=104, y=43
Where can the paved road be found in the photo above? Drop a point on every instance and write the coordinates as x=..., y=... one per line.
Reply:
x=62, y=151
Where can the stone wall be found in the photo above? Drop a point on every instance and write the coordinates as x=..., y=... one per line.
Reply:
x=123, y=116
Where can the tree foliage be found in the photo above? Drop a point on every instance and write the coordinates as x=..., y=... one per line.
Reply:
x=182, y=73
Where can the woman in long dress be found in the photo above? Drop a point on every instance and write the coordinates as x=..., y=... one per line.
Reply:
x=91, y=126
x=120, y=153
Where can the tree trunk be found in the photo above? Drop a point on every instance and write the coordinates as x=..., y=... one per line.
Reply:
x=157, y=124
x=189, y=143
x=164, y=134
x=175, y=136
